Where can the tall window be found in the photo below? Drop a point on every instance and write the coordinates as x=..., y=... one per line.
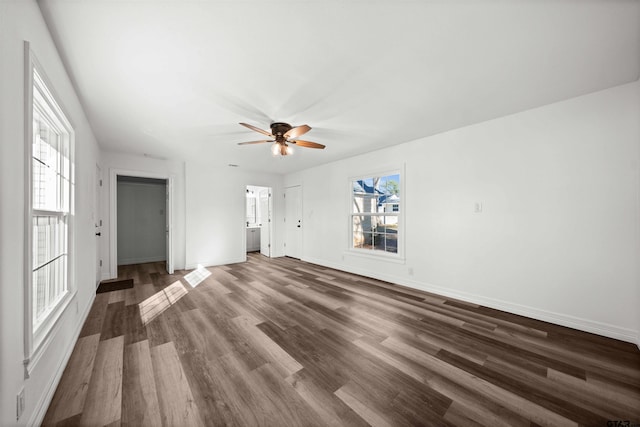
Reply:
x=375, y=212
x=51, y=169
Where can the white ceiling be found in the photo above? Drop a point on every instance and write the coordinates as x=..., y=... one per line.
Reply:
x=172, y=79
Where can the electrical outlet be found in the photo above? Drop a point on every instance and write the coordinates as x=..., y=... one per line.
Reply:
x=19, y=404
x=410, y=271
x=76, y=307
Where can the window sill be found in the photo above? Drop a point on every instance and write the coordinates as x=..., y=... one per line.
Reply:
x=44, y=335
x=376, y=255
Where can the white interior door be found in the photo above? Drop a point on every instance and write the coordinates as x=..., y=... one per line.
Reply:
x=264, y=197
x=169, y=255
x=293, y=221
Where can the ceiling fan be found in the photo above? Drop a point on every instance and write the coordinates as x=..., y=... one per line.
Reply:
x=283, y=134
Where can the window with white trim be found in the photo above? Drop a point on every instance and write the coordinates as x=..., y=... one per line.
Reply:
x=51, y=168
x=375, y=213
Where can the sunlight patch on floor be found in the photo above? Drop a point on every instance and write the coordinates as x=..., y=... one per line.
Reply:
x=157, y=303
x=197, y=276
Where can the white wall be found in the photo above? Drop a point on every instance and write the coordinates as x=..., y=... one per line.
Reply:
x=558, y=238
x=145, y=167
x=216, y=220
x=20, y=21
x=141, y=222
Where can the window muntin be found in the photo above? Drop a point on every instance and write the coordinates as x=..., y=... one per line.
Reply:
x=50, y=203
x=375, y=213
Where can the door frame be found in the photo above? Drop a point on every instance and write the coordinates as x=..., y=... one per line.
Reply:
x=269, y=188
x=97, y=221
x=269, y=224
x=287, y=222
x=113, y=214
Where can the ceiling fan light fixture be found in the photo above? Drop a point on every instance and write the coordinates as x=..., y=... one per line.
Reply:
x=284, y=135
x=281, y=149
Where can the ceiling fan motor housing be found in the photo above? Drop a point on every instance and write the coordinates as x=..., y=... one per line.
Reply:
x=278, y=129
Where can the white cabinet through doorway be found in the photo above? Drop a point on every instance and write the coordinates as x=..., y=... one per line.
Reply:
x=253, y=239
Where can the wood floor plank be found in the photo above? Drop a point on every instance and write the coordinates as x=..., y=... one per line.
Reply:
x=103, y=404
x=272, y=352
x=327, y=374
x=117, y=296
x=234, y=393
x=114, y=321
x=72, y=389
x=606, y=400
x=280, y=403
x=284, y=342
x=327, y=405
x=509, y=399
x=356, y=400
x=139, y=396
x=95, y=318
x=133, y=328
x=130, y=297
x=177, y=407
x=203, y=335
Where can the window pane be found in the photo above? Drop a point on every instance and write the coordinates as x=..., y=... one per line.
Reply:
x=51, y=201
x=367, y=241
x=367, y=223
x=358, y=239
x=376, y=202
x=49, y=284
x=49, y=239
x=49, y=167
x=391, y=243
x=357, y=224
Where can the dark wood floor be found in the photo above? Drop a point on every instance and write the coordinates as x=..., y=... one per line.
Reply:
x=279, y=342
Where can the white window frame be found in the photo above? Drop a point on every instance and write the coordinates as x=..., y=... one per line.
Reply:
x=37, y=337
x=399, y=256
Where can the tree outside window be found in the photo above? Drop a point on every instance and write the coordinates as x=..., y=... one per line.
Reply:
x=376, y=205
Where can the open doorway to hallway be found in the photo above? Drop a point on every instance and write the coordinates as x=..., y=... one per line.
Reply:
x=141, y=218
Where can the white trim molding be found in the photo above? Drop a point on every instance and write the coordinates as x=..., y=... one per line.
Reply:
x=38, y=337
x=113, y=213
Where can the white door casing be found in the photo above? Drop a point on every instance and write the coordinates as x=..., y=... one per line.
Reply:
x=264, y=197
x=293, y=222
x=113, y=215
x=97, y=214
x=168, y=234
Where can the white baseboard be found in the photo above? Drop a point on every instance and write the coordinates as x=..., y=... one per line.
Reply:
x=43, y=404
x=586, y=325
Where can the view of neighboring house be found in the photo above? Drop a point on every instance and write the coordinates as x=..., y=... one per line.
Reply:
x=376, y=206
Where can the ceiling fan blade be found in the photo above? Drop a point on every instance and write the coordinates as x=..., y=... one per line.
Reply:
x=256, y=142
x=297, y=131
x=264, y=132
x=308, y=144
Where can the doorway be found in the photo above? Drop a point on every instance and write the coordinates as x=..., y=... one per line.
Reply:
x=258, y=219
x=140, y=219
